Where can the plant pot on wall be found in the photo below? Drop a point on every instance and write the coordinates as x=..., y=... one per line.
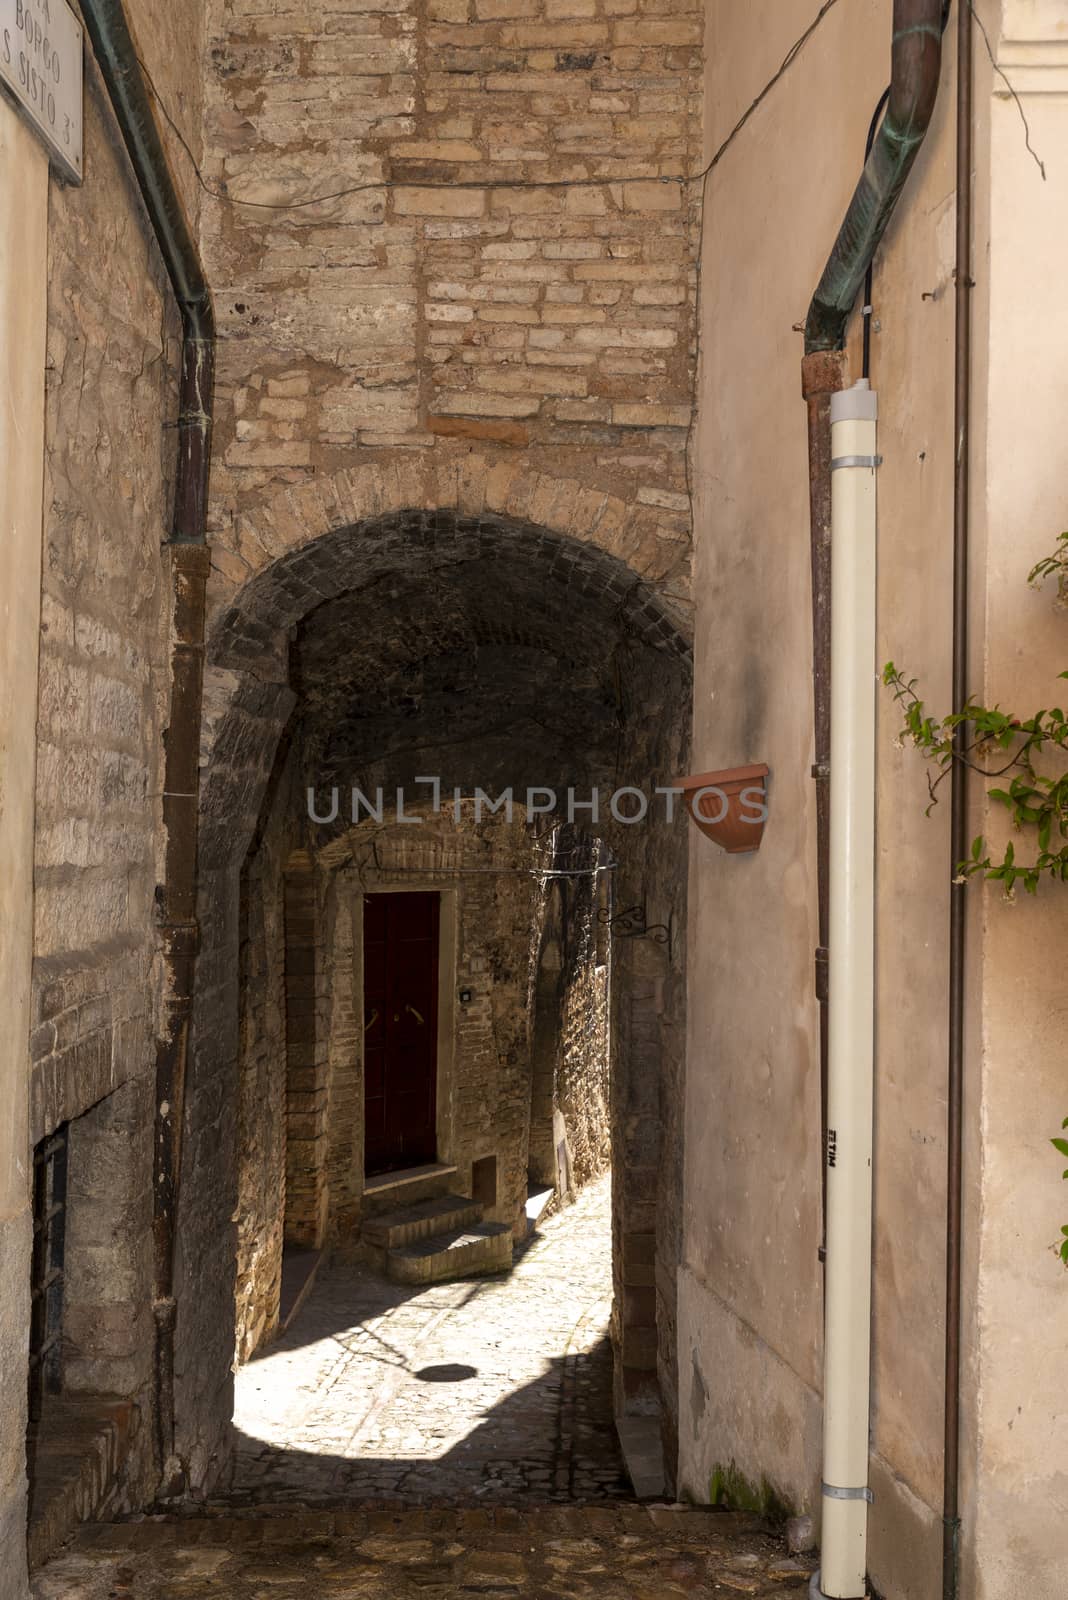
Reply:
x=729, y=807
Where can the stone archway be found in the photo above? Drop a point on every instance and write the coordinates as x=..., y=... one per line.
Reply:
x=562, y=591
x=651, y=538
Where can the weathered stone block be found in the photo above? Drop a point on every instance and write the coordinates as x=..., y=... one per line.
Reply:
x=445, y=202
x=469, y=404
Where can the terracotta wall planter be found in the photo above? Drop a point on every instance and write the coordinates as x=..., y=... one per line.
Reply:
x=729, y=807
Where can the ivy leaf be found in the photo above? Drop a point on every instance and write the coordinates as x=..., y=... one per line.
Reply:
x=1061, y=1145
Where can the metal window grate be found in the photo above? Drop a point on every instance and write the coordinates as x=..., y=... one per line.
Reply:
x=49, y=1230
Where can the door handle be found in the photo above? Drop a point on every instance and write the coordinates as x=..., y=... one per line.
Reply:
x=416, y=1014
x=369, y=1025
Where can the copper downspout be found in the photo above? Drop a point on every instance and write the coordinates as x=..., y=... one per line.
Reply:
x=116, y=57
x=915, y=64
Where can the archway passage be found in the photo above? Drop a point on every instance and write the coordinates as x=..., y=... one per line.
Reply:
x=413, y=672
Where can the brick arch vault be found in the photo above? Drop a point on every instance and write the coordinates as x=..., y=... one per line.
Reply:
x=342, y=619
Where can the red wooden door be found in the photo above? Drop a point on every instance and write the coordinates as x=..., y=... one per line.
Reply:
x=400, y=1020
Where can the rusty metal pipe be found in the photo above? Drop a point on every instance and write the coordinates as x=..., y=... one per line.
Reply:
x=822, y=374
x=116, y=57
x=958, y=846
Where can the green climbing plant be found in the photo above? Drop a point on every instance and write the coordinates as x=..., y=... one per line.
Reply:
x=1004, y=749
x=1062, y=1146
x=999, y=745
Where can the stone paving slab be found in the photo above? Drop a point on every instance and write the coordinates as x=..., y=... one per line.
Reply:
x=479, y=1390
x=538, y=1553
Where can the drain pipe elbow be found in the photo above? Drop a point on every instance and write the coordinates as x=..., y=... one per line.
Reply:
x=916, y=62
x=120, y=67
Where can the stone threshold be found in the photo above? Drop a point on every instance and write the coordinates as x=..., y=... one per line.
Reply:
x=382, y=1182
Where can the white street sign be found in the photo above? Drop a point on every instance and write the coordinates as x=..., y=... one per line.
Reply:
x=41, y=65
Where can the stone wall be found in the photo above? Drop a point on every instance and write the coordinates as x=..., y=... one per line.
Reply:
x=507, y=253
x=112, y=341
x=261, y=1192
x=241, y=791
x=576, y=954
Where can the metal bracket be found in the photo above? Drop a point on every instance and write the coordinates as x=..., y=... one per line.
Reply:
x=832, y=1492
x=855, y=461
x=631, y=924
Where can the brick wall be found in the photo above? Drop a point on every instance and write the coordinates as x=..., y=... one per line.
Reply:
x=454, y=294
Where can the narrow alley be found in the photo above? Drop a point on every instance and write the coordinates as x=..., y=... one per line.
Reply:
x=531, y=530
x=453, y=1440
x=478, y=1391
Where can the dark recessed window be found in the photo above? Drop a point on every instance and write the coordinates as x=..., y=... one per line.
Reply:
x=49, y=1226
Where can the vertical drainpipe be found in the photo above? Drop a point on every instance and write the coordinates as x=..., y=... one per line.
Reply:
x=958, y=844
x=916, y=52
x=850, y=1089
x=822, y=375
x=190, y=561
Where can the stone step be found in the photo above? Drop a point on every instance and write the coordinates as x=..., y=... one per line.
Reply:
x=412, y=1223
x=458, y=1253
x=76, y=1453
x=393, y=1191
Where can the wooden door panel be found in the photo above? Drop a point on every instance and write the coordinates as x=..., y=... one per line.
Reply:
x=400, y=1029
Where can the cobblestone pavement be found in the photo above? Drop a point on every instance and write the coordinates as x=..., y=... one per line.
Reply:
x=372, y=1467
x=607, y=1552
x=488, y=1390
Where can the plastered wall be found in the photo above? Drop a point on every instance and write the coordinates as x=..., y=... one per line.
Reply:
x=750, y=1293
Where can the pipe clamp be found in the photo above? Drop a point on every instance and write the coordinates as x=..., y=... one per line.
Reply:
x=832, y=1492
x=855, y=461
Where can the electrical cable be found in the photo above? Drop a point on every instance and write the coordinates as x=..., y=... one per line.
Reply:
x=499, y=183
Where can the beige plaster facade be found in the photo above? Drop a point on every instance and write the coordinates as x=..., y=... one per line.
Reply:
x=23, y=279
x=750, y=1291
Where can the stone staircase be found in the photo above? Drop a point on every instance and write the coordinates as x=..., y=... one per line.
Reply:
x=429, y=1234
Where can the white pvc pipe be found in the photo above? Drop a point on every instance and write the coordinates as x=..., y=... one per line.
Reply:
x=847, y=1353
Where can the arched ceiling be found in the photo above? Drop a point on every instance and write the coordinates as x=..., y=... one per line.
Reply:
x=482, y=651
